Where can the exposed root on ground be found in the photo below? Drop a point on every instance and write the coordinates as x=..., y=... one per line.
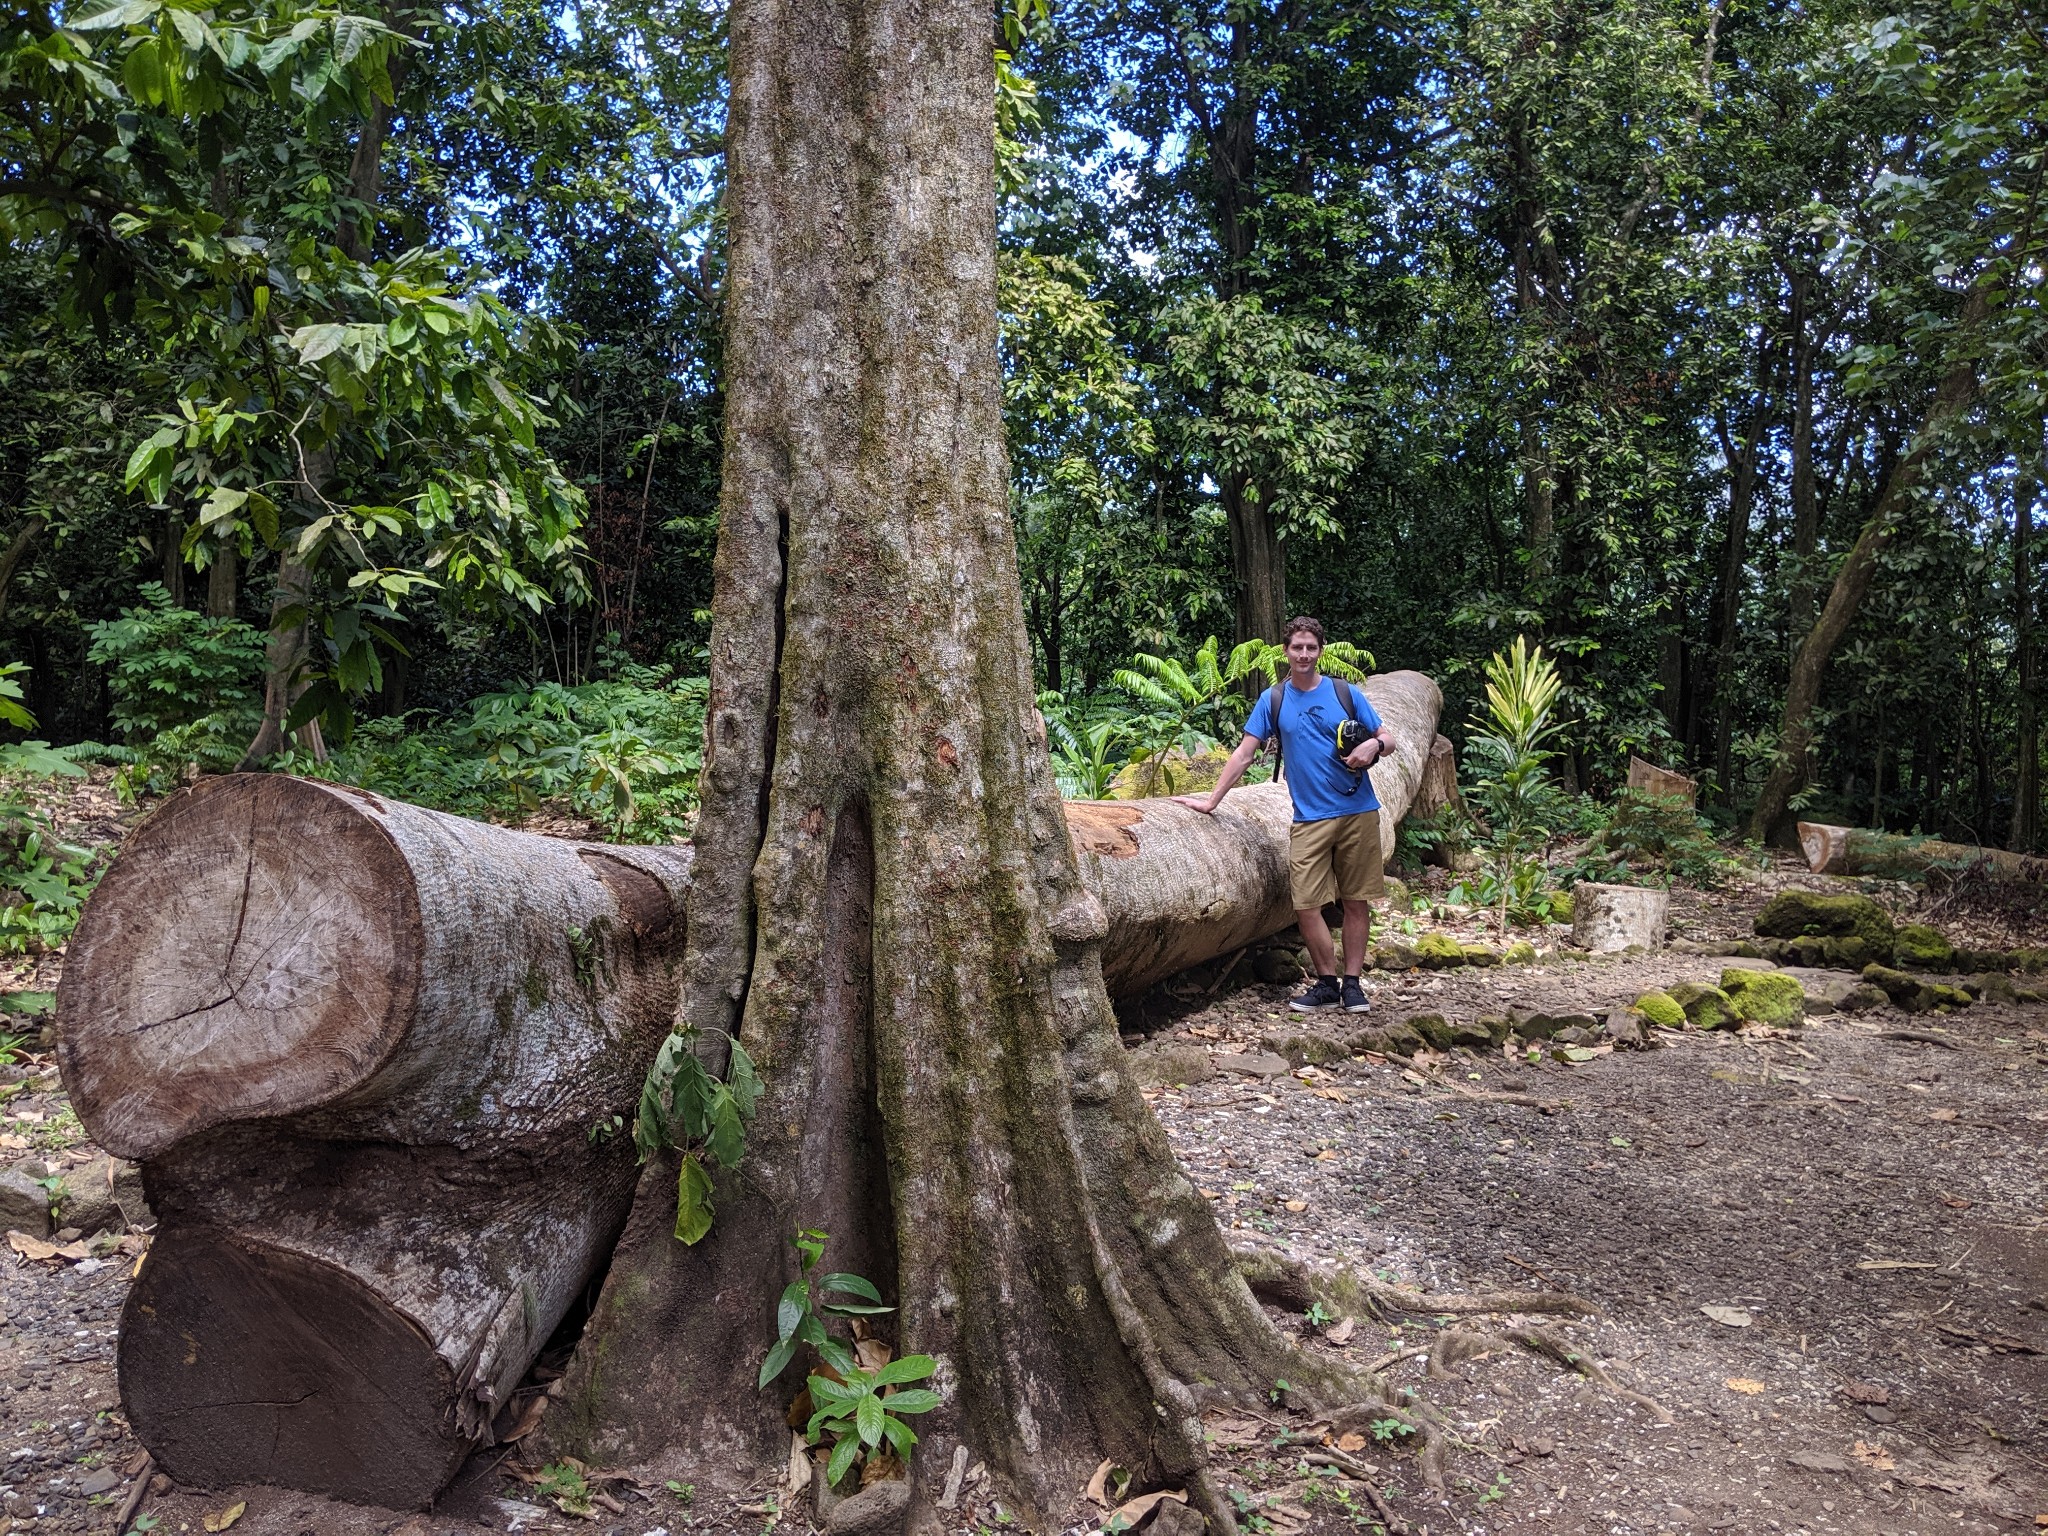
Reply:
x=1454, y=1346
x=1362, y=1475
x=1296, y=1283
x=1551, y=1347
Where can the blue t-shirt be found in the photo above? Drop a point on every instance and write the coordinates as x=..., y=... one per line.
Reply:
x=1320, y=786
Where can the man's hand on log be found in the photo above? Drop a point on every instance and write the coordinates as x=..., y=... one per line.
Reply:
x=1200, y=803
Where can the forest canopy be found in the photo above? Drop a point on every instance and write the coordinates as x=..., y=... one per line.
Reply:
x=362, y=375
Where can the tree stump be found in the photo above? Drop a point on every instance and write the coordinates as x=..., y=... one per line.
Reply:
x=377, y=1063
x=1649, y=779
x=1609, y=918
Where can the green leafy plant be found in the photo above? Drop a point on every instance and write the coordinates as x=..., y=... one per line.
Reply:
x=804, y=1305
x=1506, y=752
x=863, y=1409
x=184, y=689
x=683, y=1107
x=1390, y=1429
x=1318, y=1315
x=1524, y=899
x=1085, y=762
x=563, y=1484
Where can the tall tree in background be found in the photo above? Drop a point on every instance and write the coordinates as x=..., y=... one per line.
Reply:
x=886, y=909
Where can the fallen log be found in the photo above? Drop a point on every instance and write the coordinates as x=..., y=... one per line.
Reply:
x=1180, y=887
x=376, y=1062
x=1860, y=851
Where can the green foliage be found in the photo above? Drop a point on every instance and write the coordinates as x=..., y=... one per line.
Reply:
x=801, y=1311
x=43, y=881
x=185, y=688
x=563, y=1484
x=864, y=1409
x=1651, y=834
x=625, y=751
x=684, y=1108
x=1195, y=707
x=1505, y=752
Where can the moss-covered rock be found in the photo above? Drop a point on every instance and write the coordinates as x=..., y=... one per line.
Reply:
x=1917, y=947
x=1498, y=1026
x=1907, y=992
x=1534, y=1024
x=1950, y=997
x=1847, y=954
x=1399, y=897
x=1163, y=1063
x=1394, y=955
x=1993, y=987
x=1562, y=909
x=1305, y=1048
x=1474, y=1037
x=1661, y=1010
x=1433, y=1027
x=1438, y=951
x=1727, y=947
x=1480, y=954
x=1277, y=967
x=1521, y=952
x=1399, y=1040
x=1861, y=998
x=1704, y=1007
x=1173, y=772
x=1793, y=914
x=1765, y=997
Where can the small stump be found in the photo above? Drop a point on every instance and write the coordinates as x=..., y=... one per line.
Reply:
x=1610, y=918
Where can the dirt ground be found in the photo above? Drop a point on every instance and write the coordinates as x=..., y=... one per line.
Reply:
x=1870, y=1209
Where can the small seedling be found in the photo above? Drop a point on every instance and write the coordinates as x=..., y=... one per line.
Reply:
x=1384, y=1430
x=684, y=1492
x=1318, y=1315
x=1497, y=1492
x=563, y=1483
x=605, y=1129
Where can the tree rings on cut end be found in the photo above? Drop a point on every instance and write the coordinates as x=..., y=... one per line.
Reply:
x=254, y=951
x=242, y=1363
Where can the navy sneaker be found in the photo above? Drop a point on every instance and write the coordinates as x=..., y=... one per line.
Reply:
x=1355, y=999
x=1322, y=994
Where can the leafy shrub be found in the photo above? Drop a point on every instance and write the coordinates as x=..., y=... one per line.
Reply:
x=624, y=751
x=43, y=882
x=1650, y=834
x=185, y=689
x=1506, y=752
x=1197, y=707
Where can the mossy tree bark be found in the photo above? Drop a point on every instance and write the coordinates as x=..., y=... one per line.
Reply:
x=886, y=904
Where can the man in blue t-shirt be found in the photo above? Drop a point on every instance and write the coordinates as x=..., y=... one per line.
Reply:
x=1333, y=848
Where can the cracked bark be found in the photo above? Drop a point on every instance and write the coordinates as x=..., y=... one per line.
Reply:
x=888, y=903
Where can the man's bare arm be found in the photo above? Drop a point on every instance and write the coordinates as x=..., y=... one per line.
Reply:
x=1233, y=770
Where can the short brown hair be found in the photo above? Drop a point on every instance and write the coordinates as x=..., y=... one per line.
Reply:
x=1303, y=621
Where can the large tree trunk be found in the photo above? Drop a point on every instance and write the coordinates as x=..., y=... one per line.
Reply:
x=1860, y=851
x=1179, y=887
x=369, y=1057
x=1258, y=562
x=889, y=904
x=2026, y=788
x=1852, y=582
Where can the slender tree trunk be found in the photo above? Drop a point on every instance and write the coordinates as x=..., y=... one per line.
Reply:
x=172, y=564
x=1742, y=459
x=887, y=905
x=1852, y=583
x=17, y=551
x=1258, y=560
x=221, y=579
x=284, y=656
x=2026, y=802
x=1805, y=501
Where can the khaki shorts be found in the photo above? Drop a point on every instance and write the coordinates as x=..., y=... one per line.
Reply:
x=1335, y=860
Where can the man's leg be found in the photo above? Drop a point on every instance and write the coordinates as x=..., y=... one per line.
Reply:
x=1357, y=934
x=1315, y=935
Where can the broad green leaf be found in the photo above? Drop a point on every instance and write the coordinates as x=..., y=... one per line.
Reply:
x=916, y=1400
x=317, y=341
x=790, y=1310
x=908, y=1368
x=727, y=1141
x=743, y=1081
x=115, y=16
x=352, y=34
x=901, y=1436
x=854, y=1284
x=868, y=1418
x=693, y=1201
x=779, y=1356
x=842, y=1459
x=836, y=1354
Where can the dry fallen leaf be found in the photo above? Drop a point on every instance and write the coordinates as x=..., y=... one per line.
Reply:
x=1873, y=1456
x=1327, y=1155
x=1727, y=1317
x=1297, y=1206
x=1351, y=1442
x=1210, y=1194
x=872, y=1354
x=1341, y=1334
x=1143, y=1505
x=225, y=1518
x=1337, y=1095
x=1896, y=1264
x=1744, y=1385
x=35, y=1248
x=1954, y=1203
x=1865, y=1392
x=1941, y=1114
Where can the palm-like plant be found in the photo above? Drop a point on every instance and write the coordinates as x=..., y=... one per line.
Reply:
x=1506, y=752
x=1193, y=707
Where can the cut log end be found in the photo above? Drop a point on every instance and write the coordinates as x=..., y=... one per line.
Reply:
x=282, y=931
x=244, y=1363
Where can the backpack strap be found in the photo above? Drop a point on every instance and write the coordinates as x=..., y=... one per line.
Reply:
x=1273, y=702
x=1344, y=697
